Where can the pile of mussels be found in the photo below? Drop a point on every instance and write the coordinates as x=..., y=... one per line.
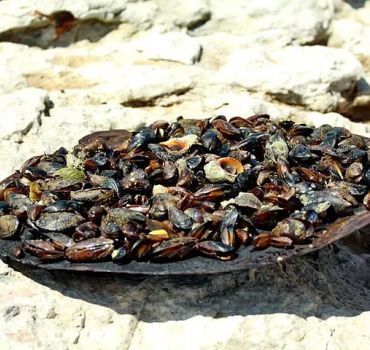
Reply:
x=193, y=187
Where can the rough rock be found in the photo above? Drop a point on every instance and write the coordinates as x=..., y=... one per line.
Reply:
x=302, y=21
x=362, y=13
x=20, y=111
x=171, y=46
x=359, y=107
x=23, y=14
x=28, y=23
x=135, y=85
x=318, y=82
x=11, y=80
x=26, y=325
x=352, y=36
x=273, y=307
x=357, y=10
x=139, y=14
x=231, y=103
x=184, y=14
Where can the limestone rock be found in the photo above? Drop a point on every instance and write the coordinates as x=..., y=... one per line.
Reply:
x=302, y=21
x=11, y=79
x=357, y=10
x=184, y=14
x=27, y=321
x=20, y=111
x=27, y=22
x=134, y=85
x=140, y=14
x=363, y=11
x=22, y=13
x=171, y=46
x=66, y=125
x=315, y=77
x=352, y=36
x=358, y=108
x=231, y=104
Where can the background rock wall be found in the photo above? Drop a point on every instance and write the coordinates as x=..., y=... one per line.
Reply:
x=117, y=64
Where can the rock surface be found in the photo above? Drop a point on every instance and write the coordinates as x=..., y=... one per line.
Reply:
x=302, y=22
x=294, y=306
x=172, y=46
x=318, y=82
x=128, y=63
x=352, y=36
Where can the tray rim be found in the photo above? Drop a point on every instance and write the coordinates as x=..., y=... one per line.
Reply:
x=341, y=228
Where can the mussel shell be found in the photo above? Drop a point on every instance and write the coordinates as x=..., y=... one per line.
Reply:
x=120, y=255
x=179, y=219
x=59, y=240
x=58, y=222
x=215, y=249
x=276, y=147
x=173, y=249
x=227, y=228
x=9, y=226
x=64, y=205
x=18, y=202
x=267, y=216
x=142, y=138
x=291, y=228
x=110, y=139
x=94, y=195
x=4, y=208
x=44, y=250
x=60, y=185
x=210, y=140
x=90, y=250
x=302, y=153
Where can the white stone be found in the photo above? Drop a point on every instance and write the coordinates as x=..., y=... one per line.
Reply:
x=21, y=60
x=134, y=83
x=358, y=107
x=303, y=21
x=66, y=125
x=312, y=76
x=352, y=36
x=171, y=46
x=11, y=79
x=357, y=10
x=16, y=14
x=232, y=104
x=141, y=14
x=32, y=316
x=20, y=111
x=188, y=14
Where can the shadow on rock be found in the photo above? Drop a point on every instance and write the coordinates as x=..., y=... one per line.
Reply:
x=48, y=35
x=332, y=282
x=356, y=4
